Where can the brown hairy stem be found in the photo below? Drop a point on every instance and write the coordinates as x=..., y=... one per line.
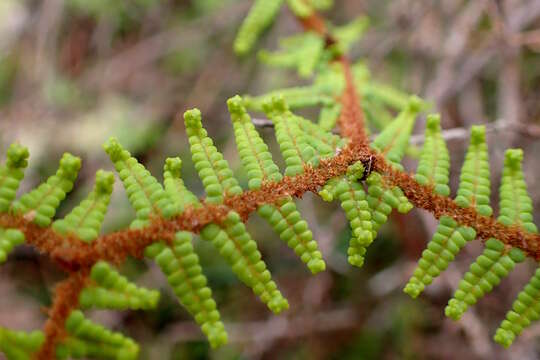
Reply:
x=66, y=299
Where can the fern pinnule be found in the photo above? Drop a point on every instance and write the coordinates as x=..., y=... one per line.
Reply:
x=20, y=345
x=283, y=217
x=87, y=339
x=114, y=291
x=11, y=174
x=497, y=260
x=41, y=203
x=260, y=16
x=230, y=238
x=85, y=220
x=293, y=143
x=145, y=193
x=474, y=185
x=434, y=165
x=449, y=237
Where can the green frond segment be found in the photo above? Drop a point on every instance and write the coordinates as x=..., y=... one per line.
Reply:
x=145, y=193
x=181, y=266
x=86, y=219
x=260, y=16
x=353, y=201
x=257, y=161
x=9, y=238
x=213, y=169
x=149, y=198
x=486, y=272
x=20, y=345
x=254, y=154
x=515, y=203
x=348, y=34
x=394, y=139
x=525, y=310
x=516, y=208
x=11, y=174
x=450, y=237
x=87, y=339
x=474, y=182
x=180, y=263
x=389, y=96
x=434, y=166
x=114, y=291
x=301, y=52
x=382, y=198
x=497, y=260
x=240, y=251
x=328, y=116
x=41, y=203
x=325, y=143
x=293, y=143
x=297, y=97
x=448, y=240
x=174, y=185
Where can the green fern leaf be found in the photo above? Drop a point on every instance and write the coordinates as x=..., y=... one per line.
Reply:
x=449, y=238
x=260, y=16
x=41, y=203
x=497, y=260
x=434, y=165
x=144, y=192
x=231, y=239
x=20, y=345
x=85, y=220
x=328, y=116
x=87, y=339
x=474, y=185
x=293, y=143
x=11, y=174
x=257, y=160
x=114, y=291
x=516, y=208
x=393, y=140
x=302, y=52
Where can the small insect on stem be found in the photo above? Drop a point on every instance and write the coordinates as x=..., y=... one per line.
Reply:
x=368, y=166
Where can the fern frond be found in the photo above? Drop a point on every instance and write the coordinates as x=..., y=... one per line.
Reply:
x=9, y=238
x=394, y=139
x=497, y=260
x=178, y=262
x=474, y=185
x=260, y=16
x=434, y=165
x=87, y=339
x=114, y=291
x=231, y=238
x=144, y=192
x=41, y=203
x=449, y=238
x=20, y=345
x=181, y=264
x=293, y=143
x=11, y=174
x=257, y=161
x=347, y=34
x=302, y=52
x=328, y=116
x=516, y=208
x=85, y=220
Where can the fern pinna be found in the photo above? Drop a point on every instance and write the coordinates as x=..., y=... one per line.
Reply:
x=366, y=178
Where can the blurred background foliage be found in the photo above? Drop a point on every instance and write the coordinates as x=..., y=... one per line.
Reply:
x=75, y=72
